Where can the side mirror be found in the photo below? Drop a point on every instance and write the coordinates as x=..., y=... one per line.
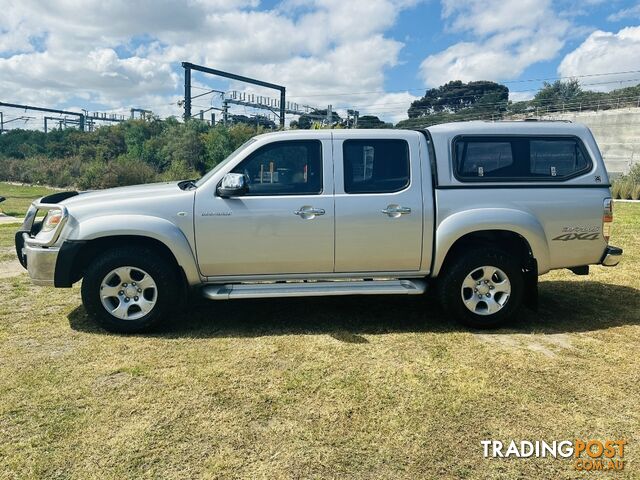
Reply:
x=232, y=185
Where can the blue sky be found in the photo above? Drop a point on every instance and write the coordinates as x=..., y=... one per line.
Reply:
x=373, y=55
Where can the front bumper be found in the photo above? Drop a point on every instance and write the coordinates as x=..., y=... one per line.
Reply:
x=39, y=255
x=41, y=263
x=611, y=257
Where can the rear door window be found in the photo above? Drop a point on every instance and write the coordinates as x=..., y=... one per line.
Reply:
x=375, y=166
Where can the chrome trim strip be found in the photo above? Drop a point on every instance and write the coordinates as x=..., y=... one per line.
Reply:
x=316, y=289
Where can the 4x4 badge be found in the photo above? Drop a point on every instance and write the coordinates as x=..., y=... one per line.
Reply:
x=577, y=236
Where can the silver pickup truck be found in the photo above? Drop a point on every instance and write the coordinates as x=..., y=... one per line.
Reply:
x=473, y=211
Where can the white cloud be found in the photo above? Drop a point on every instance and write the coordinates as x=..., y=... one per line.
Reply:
x=391, y=107
x=625, y=14
x=121, y=53
x=605, y=52
x=521, y=96
x=508, y=36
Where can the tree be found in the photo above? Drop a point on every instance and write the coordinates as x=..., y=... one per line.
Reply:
x=220, y=141
x=184, y=142
x=256, y=121
x=371, y=121
x=557, y=93
x=306, y=120
x=456, y=95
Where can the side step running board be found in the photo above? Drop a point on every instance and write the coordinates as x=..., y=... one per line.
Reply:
x=314, y=289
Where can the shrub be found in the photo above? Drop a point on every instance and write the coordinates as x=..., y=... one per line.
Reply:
x=179, y=170
x=136, y=151
x=120, y=172
x=92, y=174
x=56, y=172
x=615, y=189
x=635, y=194
x=626, y=189
x=634, y=173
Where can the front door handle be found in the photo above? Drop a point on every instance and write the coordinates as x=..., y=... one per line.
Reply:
x=308, y=212
x=396, y=211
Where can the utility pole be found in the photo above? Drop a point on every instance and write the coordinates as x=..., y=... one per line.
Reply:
x=187, y=86
x=329, y=116
x=1, y=123
x=225, y=113
x=50, y=110
x=187, y=93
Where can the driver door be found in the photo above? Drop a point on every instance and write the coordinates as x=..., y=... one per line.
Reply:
x=282, y=225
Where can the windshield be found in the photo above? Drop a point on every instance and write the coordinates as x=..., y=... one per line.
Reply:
x=235, y=153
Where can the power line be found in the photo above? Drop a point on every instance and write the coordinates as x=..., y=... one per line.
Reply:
x=363, y=105
x=504, y=103
x=506, y=82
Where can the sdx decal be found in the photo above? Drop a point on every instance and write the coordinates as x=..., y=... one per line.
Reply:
x=565, y=237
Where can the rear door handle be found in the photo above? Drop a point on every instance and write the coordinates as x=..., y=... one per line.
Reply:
x=396, y=210
x=309, y=212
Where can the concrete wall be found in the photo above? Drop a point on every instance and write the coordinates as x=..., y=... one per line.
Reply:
x=616, y=131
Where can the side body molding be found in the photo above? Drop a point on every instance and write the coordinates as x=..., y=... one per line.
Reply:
x=143, y=226
x=464, y=222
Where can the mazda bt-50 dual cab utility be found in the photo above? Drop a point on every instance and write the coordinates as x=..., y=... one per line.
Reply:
x=471, y=211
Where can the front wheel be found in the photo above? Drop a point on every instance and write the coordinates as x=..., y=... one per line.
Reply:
x=483, y=288
x=130, y=289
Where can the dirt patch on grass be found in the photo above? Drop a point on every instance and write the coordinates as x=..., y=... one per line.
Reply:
x=11, y=268
x=112, y=380
x=548, y=345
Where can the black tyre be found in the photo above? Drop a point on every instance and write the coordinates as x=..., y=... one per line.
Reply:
x=482, y=288
x=130, y=289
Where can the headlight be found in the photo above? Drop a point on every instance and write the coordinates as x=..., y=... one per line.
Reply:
x=51, y=220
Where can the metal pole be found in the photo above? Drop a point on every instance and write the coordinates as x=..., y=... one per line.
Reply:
x=202, y=115
x=187, y=91
x=43, y=109
x=213, y=119
x=329, y=109
x=2, y=123
x=187, y=86
x=45, y=124
x=282, y=107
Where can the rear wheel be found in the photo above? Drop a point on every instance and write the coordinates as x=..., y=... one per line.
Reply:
x=130, y=289
x=482, y=288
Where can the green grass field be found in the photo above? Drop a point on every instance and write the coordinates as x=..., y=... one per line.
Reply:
x=320, y=388
x=19, y=197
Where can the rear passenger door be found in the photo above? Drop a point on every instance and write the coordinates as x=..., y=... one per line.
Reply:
x=378, y=204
